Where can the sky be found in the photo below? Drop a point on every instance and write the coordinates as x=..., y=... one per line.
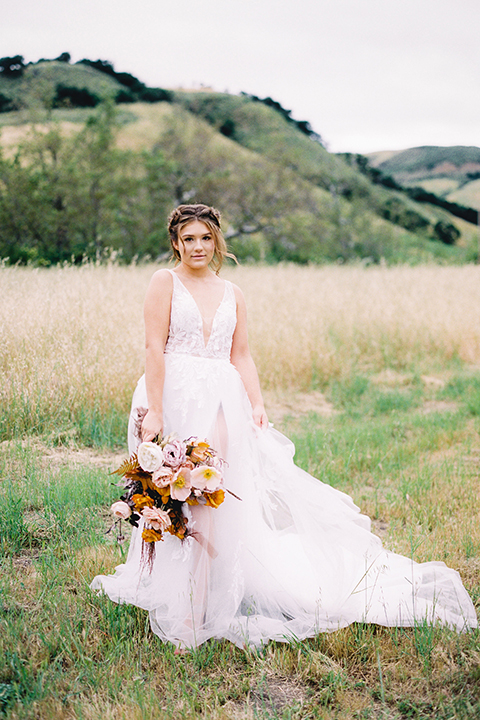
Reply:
x=368, y=75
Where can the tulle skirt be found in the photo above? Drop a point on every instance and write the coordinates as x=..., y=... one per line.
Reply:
x=293, y=557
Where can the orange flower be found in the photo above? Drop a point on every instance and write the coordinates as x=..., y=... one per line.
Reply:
x=164, y=493
x=142, y=501
x=192, y=500
x=177, y=531
x=200, y=451
x=151, y=535
x=215, y=499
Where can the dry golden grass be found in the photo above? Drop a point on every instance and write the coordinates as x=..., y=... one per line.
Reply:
x=311, y=324
x=72, y=338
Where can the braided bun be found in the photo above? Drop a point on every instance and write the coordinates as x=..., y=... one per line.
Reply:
x=186, y=213
x=210, y=216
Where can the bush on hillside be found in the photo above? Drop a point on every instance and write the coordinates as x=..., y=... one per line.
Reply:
x=69, y=96
x=153, y=95
x=6, y=104
x=136, y=89
x=446, y=232
x=394, y=210
x=376, y=176
x=302, y=125
x=12, y=67
x=420, y=195
x=125, y=96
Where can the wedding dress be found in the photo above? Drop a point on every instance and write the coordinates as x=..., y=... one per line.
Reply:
x=293, y=557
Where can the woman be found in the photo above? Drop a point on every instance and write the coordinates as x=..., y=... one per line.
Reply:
x=293, y=557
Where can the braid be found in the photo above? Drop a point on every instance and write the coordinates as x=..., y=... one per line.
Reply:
x=184, y=214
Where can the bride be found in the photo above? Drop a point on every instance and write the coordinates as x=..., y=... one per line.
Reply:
x=293, y=557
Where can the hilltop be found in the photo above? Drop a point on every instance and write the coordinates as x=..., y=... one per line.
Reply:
x=117, y=173
x=452, y=173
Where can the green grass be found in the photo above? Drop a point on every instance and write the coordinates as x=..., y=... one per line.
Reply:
x=67, y=653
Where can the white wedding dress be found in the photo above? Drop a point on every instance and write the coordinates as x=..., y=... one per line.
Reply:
x=293, y=557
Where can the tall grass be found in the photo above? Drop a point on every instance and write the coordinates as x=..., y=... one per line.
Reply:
x=71, y=338
x=396, y=352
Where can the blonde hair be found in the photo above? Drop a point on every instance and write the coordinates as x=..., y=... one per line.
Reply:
x=210, y=216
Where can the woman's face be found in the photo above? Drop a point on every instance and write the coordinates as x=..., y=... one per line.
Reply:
x=195, y=245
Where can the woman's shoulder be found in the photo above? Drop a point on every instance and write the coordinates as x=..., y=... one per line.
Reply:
x=239, y=296
x=238, y=292
x=162, y=278
x=160, y=288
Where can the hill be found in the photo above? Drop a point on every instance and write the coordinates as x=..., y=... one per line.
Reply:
x=117, y=173
x=37, y=85
x=452, y=173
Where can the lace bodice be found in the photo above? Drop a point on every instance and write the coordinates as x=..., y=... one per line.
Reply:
x=186, y=324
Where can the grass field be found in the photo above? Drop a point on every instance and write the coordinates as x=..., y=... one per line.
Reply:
x=374, y=373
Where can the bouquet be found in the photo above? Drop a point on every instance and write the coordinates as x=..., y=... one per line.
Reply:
x=160, y=478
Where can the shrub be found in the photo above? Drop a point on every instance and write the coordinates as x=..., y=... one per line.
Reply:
x=5, y=103
x=446, y=232
x=74, y=97
x=12, y=67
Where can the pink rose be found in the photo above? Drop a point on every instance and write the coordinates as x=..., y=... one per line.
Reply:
x=174, y=453
x=157, y=518
x=162, y=477
x=121, y=510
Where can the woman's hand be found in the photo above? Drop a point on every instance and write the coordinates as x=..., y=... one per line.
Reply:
x=152, y=425
x=260, y=417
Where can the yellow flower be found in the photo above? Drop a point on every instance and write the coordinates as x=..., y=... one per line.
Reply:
x=151, y=535
x=142, y=501
x=164, y=492
x=214, y=499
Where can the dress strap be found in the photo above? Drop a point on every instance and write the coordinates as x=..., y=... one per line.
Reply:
x=177, y=283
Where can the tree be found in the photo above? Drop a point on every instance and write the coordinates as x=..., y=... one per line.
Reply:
x=5, y=103
x=70, y=96
x=12, y=67
x=64, y=197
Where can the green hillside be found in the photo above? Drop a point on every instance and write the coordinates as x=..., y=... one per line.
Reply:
x=450, y=172
x=38, y=83
x=89, y=181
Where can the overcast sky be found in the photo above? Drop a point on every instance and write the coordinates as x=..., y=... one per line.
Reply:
x=367, y=74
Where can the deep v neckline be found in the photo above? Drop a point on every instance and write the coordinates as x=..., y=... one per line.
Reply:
x=202, y=321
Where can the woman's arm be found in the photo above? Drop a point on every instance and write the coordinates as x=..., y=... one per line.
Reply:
x=243, y=361
x=157, y=321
